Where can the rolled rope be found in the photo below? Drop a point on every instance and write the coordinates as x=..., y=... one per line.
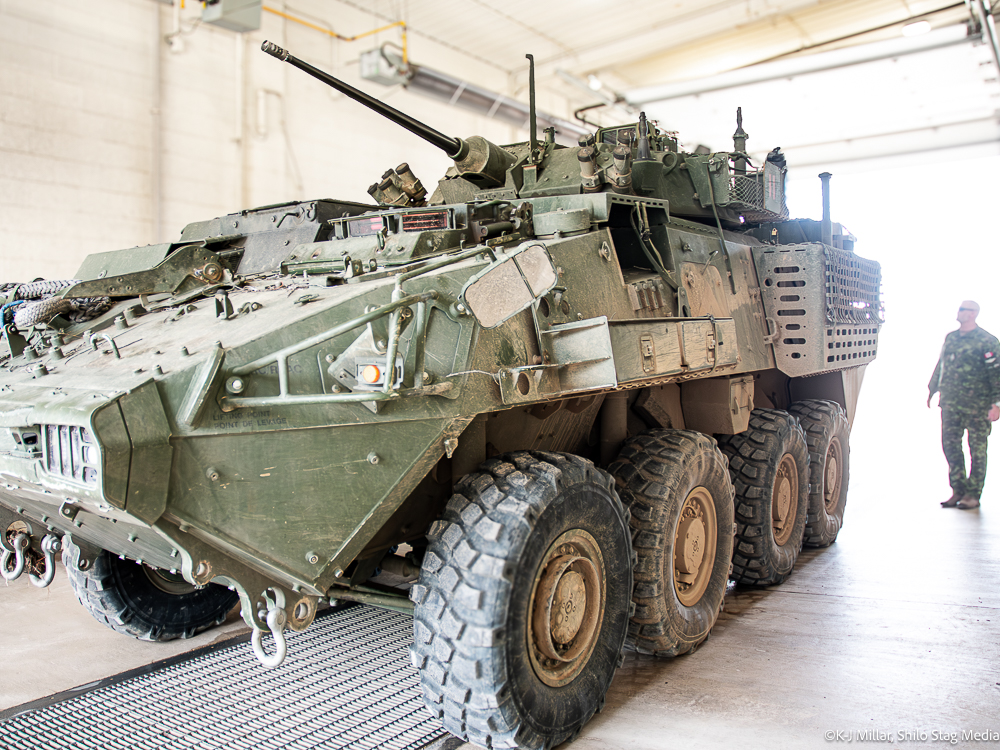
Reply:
x=37, y=289
x=36, y=312
x=78, y=310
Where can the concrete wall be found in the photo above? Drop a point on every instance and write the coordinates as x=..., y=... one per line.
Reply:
x=110, y=136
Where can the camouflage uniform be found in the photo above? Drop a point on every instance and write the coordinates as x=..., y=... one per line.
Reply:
x=968, y=376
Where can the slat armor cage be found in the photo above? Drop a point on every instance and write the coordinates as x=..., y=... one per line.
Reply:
x=759, y=194
x=836, y=331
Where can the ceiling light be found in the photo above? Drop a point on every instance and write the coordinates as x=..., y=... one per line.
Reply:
x=916, y=28
x=594, y=82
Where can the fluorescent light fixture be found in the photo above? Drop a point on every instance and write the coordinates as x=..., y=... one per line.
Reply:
x=797, y=66
x=916, y=28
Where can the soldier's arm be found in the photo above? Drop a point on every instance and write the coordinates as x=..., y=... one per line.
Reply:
x=991, y=358
x=934, y=382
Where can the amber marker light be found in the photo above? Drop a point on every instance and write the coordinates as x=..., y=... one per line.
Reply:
x=371, y=374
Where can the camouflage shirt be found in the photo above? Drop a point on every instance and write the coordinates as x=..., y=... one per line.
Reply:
x=968, y=371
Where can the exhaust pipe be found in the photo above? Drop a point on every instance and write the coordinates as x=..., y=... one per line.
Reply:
x=827, y=227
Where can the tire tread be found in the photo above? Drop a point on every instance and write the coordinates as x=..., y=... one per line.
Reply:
x=822, y=420
x=490, y=513
x=98, y=591
x=753, y=457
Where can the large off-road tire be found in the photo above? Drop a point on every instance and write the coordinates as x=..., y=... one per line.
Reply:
x=677, y=488
x=769, y=466
x=523, y=601
x=146, y=603
x=828, y=435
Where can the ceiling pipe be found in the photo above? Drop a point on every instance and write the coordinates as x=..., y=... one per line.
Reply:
x=988, y=29
x=797, y=66
x=979, y=131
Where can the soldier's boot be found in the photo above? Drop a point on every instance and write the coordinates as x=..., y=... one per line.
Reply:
x=968, y=502
x=952, y=501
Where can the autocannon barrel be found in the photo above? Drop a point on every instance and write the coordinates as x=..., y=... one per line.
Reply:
x=453, y=147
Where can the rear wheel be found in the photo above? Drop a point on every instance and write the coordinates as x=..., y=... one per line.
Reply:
x=828, y=437
x=523, y=601
x=769, y=465
x=678, y=491
x=147, y=603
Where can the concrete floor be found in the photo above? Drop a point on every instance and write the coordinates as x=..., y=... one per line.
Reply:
x=895, y=629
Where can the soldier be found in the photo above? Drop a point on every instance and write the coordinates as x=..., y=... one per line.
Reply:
x=968, y=377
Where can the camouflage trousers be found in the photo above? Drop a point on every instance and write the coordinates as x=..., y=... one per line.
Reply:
x=955, y=422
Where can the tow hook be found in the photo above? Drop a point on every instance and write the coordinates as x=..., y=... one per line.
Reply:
x=276, y=620
x=20, y=544
x=25, y=559
x=50, y=545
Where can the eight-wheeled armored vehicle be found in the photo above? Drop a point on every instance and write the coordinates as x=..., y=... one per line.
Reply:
x=550, y=408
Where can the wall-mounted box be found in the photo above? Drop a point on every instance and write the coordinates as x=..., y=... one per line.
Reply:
x=235, y=15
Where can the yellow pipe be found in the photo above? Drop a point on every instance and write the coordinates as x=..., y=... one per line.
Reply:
x=335, y=35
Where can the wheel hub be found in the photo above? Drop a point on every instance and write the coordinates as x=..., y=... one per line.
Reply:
x=784, y=499
x=569, y=603
x=169, y=583
x=694, y=546
x=832, y=476
x=691, y=536
x=567, y=606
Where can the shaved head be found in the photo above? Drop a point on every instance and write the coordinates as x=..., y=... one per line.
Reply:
x=967, y=314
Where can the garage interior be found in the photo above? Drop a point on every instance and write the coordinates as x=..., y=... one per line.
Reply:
x=121, y=121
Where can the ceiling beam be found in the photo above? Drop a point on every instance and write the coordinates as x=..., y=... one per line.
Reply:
x=797, y=66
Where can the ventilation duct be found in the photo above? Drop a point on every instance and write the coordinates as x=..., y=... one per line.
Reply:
x=381, y=66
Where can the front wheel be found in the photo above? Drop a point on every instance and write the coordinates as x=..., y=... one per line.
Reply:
x=147, y=603
x=523, y=601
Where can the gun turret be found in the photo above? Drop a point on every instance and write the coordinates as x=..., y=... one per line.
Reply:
x=476, y=159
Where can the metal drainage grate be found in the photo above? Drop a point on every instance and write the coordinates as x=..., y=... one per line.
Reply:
x=347, y=683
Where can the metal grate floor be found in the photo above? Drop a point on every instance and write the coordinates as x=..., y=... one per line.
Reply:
x=347, y=683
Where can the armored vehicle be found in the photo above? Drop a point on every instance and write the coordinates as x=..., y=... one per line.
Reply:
x=550, y=407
